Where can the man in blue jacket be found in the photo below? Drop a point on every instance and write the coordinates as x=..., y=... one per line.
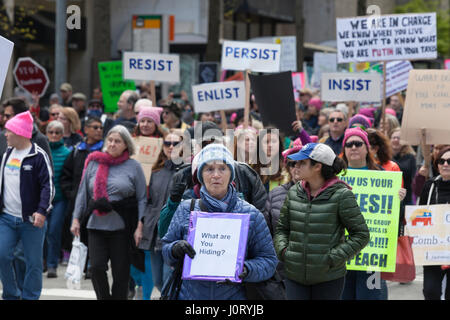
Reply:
x=26, y=194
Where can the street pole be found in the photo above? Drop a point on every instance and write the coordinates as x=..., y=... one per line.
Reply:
x=60, y=44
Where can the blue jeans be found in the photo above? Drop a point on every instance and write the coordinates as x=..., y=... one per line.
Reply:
x=160, y=270
x=12, y=230
x=54, y=231
x=143, y=279
x=357, y=285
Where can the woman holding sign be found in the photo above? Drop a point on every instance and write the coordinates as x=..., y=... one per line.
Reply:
x=309, y=238
x=357, y=155
x=215, y=172
x=437, y=191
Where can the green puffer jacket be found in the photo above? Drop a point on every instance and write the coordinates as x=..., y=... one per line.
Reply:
x=312, y=232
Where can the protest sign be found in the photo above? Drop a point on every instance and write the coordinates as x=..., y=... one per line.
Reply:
x=351, y=87
x=112, y=83
x=288, y=56
x=147, y=153
x=259, y=57
x=151, y=66
x=427, y=106
x=216, y=96
x=208, y=72
x=323, y=62
x=447, y=64
x=298, y=83
x=6, y=49
x=397, y=74
x=220, y=242
x=430, y=228
x=377, y=195
x=389, y=37
x=275, y=98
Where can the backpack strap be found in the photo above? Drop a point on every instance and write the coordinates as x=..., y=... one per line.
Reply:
x=201, y=204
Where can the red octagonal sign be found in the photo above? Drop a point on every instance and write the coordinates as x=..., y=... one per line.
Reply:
x=31, y=76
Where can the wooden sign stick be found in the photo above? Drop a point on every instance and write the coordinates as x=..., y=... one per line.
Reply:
x=383, y=102
x=153, y=93
x=247, y=99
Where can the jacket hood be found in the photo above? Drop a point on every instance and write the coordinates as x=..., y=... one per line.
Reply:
x=303, y=186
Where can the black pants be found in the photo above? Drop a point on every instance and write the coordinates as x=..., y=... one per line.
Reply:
x=330, y=290
x=105, y=246
x=432, y=282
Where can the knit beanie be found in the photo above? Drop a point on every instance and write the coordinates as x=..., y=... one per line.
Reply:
x=21, y=124
x=153, y=113
x=360, y=119
x=390, y=111
x=214, y=152
x=356, y=132
x=316, y=102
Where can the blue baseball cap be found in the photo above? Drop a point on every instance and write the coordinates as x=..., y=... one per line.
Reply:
x=316, y=151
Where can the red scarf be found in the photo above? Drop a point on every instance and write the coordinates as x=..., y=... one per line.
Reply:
x=105, y=160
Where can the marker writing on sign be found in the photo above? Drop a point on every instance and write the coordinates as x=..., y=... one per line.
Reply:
x=254, y=53
x=149, y=64
x=217, y=94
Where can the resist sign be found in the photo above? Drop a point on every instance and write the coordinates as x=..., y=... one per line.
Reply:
x=351, y=87
x=389, y=37
x=258, y=57
x=220, y=241
x=151, y=66
x=219, y=96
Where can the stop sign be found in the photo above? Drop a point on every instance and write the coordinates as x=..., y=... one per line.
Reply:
x=31, y=76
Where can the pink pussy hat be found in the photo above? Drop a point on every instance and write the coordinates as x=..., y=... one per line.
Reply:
x=21, y=124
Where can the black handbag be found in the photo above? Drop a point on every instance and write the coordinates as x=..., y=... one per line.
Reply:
x=271, y=289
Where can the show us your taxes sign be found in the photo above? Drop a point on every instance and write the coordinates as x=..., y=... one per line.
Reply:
x=151, y=66
x=258, y=57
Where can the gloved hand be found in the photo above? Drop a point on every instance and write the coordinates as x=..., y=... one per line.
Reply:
x=181, y=248
x=244, y=273
x=177, y=190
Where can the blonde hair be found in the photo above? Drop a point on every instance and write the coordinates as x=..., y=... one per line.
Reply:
x=74, y=119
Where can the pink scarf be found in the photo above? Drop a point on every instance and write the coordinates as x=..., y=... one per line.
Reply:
x=105, y=160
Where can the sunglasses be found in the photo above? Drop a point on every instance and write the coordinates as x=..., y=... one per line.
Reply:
x=171, y=143
x=336, y=119
x=357, y=144
x=54, y=132
x=8, y=116
x=442, y=161
x=54, y=114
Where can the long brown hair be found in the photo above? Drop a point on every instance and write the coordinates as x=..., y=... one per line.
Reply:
x=162, y=158
x=377, y=138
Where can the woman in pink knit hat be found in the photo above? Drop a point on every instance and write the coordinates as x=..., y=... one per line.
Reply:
x=149, y=122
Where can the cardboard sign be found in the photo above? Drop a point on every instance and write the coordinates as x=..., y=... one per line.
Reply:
x=220, y=243
x=351, y=87
x=258, y=57
x=216, y=96
x=427, y=106
x=6, y=49
x=430, y=228
x=148, y=150
x=151, y=66
x=274, y=95
x=112, y=83
x=388, y=37
x=377, y=195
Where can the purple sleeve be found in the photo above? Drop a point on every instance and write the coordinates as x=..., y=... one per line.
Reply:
x=304, y=137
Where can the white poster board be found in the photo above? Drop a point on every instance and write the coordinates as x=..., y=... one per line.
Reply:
x=388, y=37
x=323, y=62
x=288, y=58
x=216, y=96
x=6, y=49
x=151, y=66
x=258, y=57
x=351, y=87
x=397, y=74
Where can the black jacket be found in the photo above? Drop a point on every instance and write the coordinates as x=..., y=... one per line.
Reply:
x=274, y=202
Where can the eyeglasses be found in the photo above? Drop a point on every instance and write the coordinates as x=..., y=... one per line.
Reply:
x=54, y=132
x=442, y=161
x=54, y=114
x=171, y=143
x=8, y=115
x=336, y=119
x=357, y=144
x=96, y=127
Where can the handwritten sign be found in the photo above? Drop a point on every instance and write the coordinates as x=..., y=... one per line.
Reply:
x=6, y=49
x=387, y=37
x=430, y=228
x=351, y=87
x=427, y=106
x=151, y=66
x=377, y=195
x=259, y=57
x=220, y=242
x=215, y=96
x=147, y=153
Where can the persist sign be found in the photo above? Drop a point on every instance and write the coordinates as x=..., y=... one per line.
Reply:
x=151, y=66
x=388, y=37
x=216, y=96
x=351, y=87
x=258, y=57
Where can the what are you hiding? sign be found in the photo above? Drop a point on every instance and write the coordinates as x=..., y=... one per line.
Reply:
x=388, y=37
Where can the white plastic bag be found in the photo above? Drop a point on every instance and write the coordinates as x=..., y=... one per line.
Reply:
x=75, y=267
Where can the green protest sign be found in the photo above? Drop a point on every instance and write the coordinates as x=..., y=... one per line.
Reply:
x=377, y=195
x=112, y=83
